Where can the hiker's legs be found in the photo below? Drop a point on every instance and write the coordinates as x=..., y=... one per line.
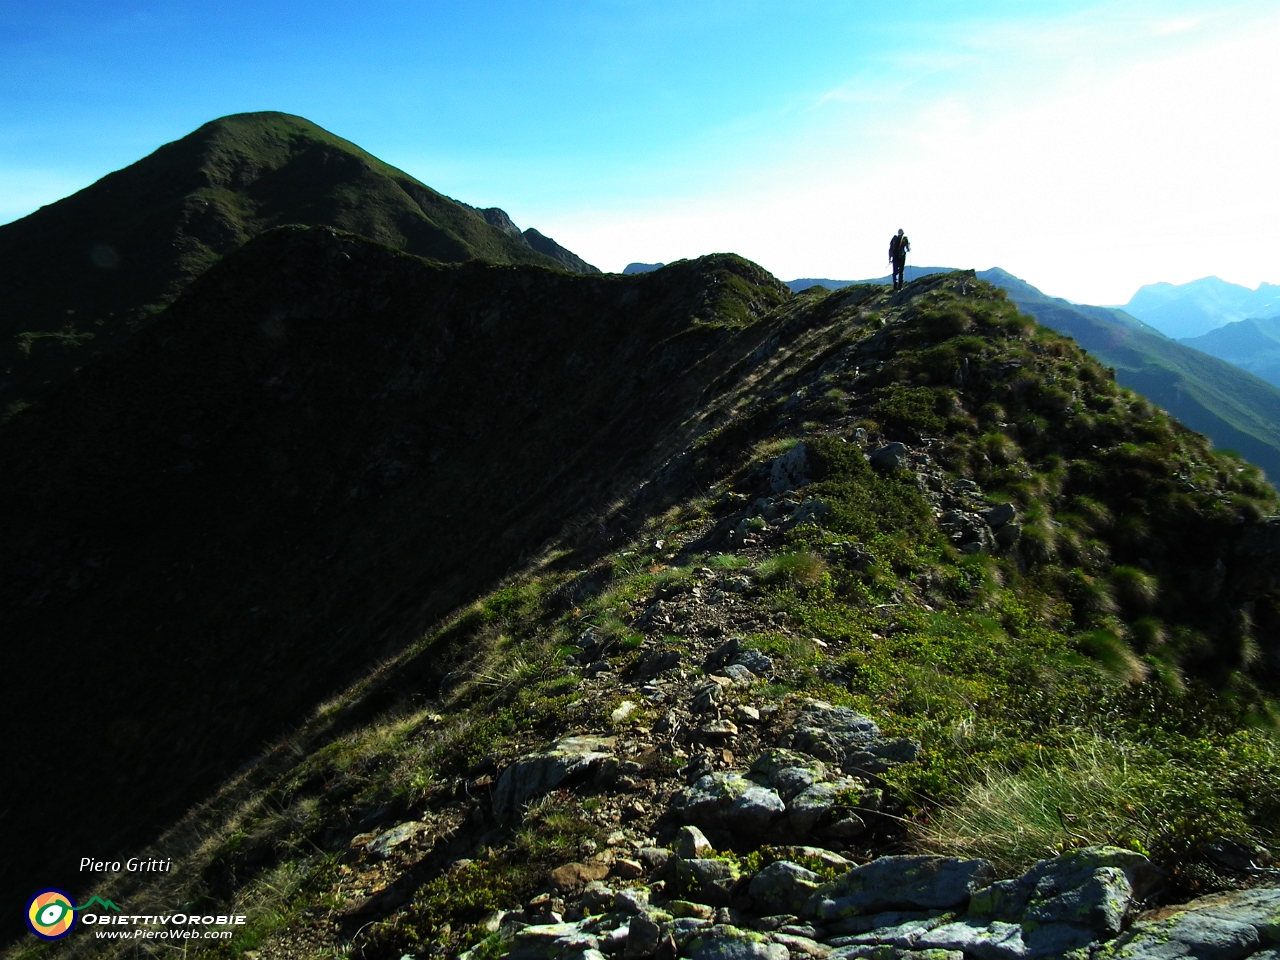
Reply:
x=898, y=270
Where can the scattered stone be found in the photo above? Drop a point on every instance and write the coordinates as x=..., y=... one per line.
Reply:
x=1094, y=889
x=747, y=714
x=597, y=898
x=850, y=826
x=692, y=844
x=643, y=935
x=708, y=881
x=841, y=931
x=651, y=663
x=802, y=930
x=761, y=664
x=754, y=812
x=994, y=941
x=622, y=711
x=573, y=876
x=631, y=900
x=808, y=808
x=740, y=675
x=535, y=775
x=783, y=887
x=999, y=516
x=776, y=922
x=380, y=848
x=1239, y=855
x=800, y=945
x=722, y=655
x=823, y=856
x=787, y=772
x=696, y=769
x=628, y=869
x=706, y=697
x=655, y=858
x=892, y=456
x=812, y=510
x=900, y=883
x=719, y=729
x=831, y=733
x=687, y=908
x=706, y=801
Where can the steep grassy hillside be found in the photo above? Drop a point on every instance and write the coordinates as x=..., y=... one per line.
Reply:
x=79, y=276
x=1232, y=406
x=1252, y=345
x=1236, y=409
x=1058, y=604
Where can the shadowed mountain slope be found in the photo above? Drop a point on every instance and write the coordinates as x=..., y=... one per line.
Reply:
x=80, y=275
x=1234, y=408
x=989, y=603
x=319, y=450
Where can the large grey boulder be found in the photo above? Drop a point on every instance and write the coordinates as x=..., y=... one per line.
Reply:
x=783, y=887
x=535, y=775
x=900, y=883
x=755, y=812
x=807, y=809
x=1094, y=888
x=831, y=733
x=1224, y=926
x=892, y=456
x=729, y=801
x=787, y=771
x=994, y=941
x=789, y=469
x=704, y=801
x=730, y=943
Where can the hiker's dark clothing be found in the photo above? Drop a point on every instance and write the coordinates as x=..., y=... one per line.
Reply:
x=898, y=247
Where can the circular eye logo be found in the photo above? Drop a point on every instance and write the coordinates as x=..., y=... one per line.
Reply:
x=51, y=914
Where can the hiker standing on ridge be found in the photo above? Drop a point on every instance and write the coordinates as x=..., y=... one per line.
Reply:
x=898, y=247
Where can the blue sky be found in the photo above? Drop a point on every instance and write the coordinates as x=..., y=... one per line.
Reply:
x=1089, y=148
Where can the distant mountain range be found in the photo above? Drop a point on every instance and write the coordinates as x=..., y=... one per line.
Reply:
x=1193, y=309
x=81, y=275
x=1252, y=345
x=1235, y=408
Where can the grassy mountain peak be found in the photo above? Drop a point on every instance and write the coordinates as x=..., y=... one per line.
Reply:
x=82, y=275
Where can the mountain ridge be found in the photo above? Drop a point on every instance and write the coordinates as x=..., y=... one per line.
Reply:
x=1236, y=409
x=911, y=547
x=1252, y=344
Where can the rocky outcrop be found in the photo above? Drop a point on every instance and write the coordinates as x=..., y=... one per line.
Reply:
x=533, y=776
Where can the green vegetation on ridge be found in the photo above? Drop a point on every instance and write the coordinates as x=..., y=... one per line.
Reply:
x=1109, y=675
